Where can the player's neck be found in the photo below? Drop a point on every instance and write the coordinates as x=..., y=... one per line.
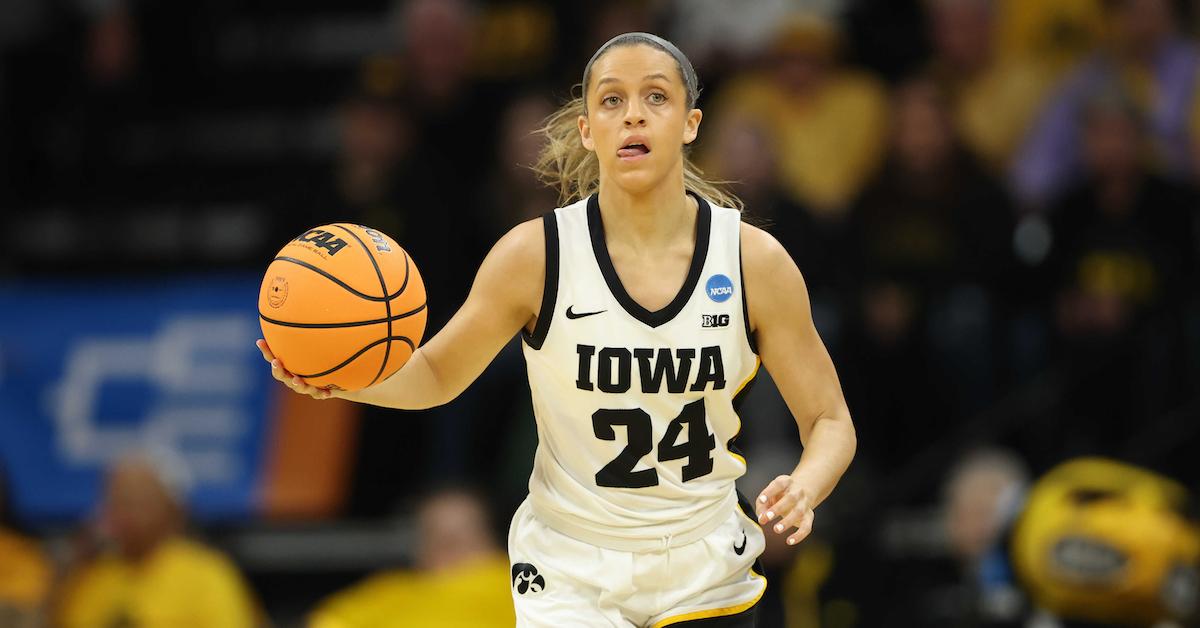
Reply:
x=651, y=220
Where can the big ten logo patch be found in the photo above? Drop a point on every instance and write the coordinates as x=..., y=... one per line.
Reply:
x=525, y=579
x=322, y=239
x=714, y=320
x=719, y=288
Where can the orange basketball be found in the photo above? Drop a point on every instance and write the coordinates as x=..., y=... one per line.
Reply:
x=342, y=306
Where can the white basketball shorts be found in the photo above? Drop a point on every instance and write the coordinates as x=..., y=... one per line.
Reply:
x=562, y=581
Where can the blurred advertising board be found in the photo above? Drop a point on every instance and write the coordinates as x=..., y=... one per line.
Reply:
x=90, y=370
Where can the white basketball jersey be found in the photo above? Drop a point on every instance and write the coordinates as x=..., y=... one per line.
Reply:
x=635, y=409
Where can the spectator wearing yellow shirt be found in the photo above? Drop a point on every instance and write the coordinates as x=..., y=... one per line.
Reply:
x=461, y=577
x=153, y=577
x=994, y=97
x=25, y=573
x=827, y=123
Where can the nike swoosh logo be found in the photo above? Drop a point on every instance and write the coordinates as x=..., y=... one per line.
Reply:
x=572, y=315
x=738, y=550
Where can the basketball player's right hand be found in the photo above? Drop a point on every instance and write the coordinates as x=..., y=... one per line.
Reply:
x=294, y=382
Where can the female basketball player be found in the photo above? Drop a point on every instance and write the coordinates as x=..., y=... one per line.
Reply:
x=646, y=307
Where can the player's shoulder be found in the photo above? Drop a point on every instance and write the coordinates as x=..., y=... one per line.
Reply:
x=761, y=251
x=513, y=271
x=524, y=244
x=527, y=242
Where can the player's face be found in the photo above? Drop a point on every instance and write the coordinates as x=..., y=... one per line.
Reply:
x=637, y=117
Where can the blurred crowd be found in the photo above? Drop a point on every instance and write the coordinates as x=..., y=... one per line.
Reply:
x=994, y=204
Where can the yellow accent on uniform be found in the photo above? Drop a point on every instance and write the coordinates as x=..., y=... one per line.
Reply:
x=716, y=612
x=181, y=585
x=738, y=391
x=727, y=610
x=475, y=595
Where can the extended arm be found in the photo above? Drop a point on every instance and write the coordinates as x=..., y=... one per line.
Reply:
x=781, y=317
x=504, y=298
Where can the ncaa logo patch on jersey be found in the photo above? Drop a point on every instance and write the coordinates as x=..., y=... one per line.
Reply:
x=719, y=288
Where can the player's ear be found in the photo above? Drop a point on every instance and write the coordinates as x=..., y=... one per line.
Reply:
x=691, y=126
x=585, y=134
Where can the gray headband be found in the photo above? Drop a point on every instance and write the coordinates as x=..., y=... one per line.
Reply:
x=628, y=39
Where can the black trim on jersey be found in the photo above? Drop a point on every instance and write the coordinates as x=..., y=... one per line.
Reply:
x=745, y=308
x=550, y=290
x=737, y=401
x=659, y=317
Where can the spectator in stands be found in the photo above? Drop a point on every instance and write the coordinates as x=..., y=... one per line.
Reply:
x=827, y=123
x=994, y=98
x=1146, y=57
x=460, y=577
x=25, y=572
x=983, y=495
x=931, y=237
x=375, y=140
x=1123, y=235
x=1122, y=263
x=153, y=576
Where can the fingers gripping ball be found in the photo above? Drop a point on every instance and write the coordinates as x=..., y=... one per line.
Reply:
x=342, y=306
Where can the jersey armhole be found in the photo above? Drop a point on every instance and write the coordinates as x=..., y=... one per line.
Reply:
x=550, y=290
x=745, y=299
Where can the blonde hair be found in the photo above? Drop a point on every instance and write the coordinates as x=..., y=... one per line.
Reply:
x=564, y=164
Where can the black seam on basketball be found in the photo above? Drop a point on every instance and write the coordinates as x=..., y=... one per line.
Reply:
x=387, y=351
x=405, y=339
x=284, y=258
x=394, y=317
x=404, y=284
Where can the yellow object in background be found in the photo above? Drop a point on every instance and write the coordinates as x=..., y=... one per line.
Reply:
x=181, y=585
x=25, y=573
x=1108, y=542
x=994, y=110
x=1057, y=34
x=476, y=594
x=827, y=143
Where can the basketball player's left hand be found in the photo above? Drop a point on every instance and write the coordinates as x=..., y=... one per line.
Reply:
x=295, y=382
x=788, y=504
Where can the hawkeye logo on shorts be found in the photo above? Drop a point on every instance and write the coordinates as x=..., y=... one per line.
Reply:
x=525, y=579
x=719, y=288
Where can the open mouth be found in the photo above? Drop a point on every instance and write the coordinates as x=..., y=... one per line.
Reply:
x=633, y=149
